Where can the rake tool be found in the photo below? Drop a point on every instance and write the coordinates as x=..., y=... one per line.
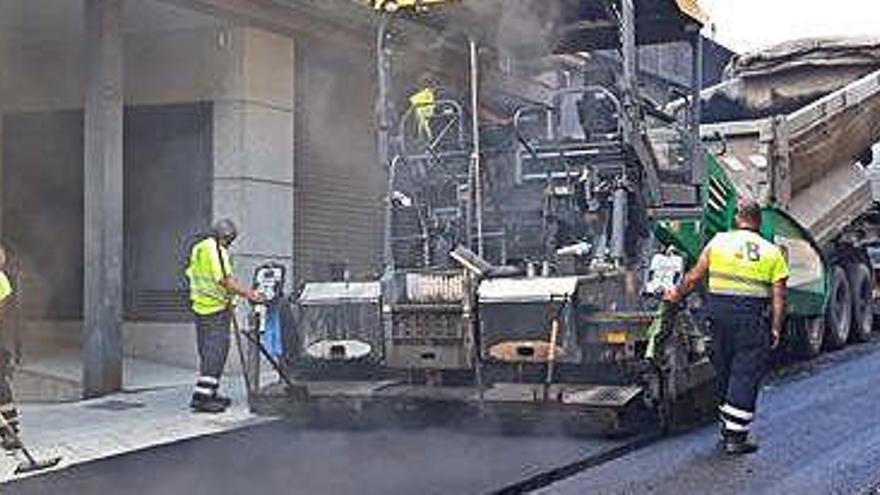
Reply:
x=30, y=464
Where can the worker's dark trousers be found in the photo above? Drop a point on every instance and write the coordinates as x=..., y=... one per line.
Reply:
x=7, y=405
x=740, y=353
x=212, y=334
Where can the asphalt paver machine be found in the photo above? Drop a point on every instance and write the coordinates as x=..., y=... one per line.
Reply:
x=522, y=261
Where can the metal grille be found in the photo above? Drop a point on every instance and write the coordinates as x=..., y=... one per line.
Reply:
x=161, y=305
x=424, y=325
x=163, y=216
x=434, y=287
x=606, y=396
x=339, y=190
x=341, y=322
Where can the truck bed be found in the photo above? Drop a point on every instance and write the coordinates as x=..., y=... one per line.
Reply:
x=808, y=161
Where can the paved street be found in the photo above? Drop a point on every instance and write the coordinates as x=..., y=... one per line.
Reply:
x=277, y=458
x=817, y=426
x=819, y=434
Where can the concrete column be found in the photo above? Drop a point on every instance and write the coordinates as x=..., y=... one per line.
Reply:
x=253, y=148
x=2, y=175
x=102, y=311
x=253, y=153
x=5, y=92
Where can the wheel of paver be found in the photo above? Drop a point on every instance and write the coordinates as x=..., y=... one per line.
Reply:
x=861, y=285
x=810, y=336
x=838, y=317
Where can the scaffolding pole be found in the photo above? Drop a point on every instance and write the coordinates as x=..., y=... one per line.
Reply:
x=476, y=154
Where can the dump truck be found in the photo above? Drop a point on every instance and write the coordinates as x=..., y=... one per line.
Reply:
x=522, y=266
x=793, y=127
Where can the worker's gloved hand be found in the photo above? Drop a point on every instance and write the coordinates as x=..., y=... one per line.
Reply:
x=255, y=296
x=774, y=339
x=672, y=295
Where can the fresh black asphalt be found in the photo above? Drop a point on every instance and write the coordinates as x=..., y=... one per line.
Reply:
x=818, y=426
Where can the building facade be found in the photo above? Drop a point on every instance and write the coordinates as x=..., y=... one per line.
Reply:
x=128, y=126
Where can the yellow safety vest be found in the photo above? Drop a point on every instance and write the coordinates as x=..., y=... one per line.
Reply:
x=205, y=272
x=5, y=286
x=742, y=263
x=424, y=103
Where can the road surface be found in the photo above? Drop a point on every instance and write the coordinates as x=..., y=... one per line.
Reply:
x=819, y=430
x=818, y=427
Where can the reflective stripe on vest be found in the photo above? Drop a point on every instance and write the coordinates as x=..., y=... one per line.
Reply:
x=727, y=284
x=741, y=264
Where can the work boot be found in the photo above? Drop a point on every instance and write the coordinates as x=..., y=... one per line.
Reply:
x=9, y=441
x=203, y=404
x=739, y=445
x=226, y=401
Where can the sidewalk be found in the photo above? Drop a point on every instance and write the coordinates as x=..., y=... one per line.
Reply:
x=153, y=410
x=55, y=376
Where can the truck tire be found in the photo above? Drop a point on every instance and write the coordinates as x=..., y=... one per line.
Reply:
x=809, y=337
x=861, y=284
x=838, y=317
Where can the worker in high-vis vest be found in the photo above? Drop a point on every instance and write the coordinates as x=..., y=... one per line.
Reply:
x=212, y=288
x=746, y=309
x=9, y=439
x=423, y=104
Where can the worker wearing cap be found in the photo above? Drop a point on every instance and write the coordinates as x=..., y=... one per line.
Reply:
x=9, y=439
x=212, y=288
x=747, y=277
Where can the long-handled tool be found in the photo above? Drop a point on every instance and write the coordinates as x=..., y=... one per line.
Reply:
x=237, y=333
x=254, y=339
x=293, y=388
x=551, y=357
x=236, y=329
x=30, y=463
